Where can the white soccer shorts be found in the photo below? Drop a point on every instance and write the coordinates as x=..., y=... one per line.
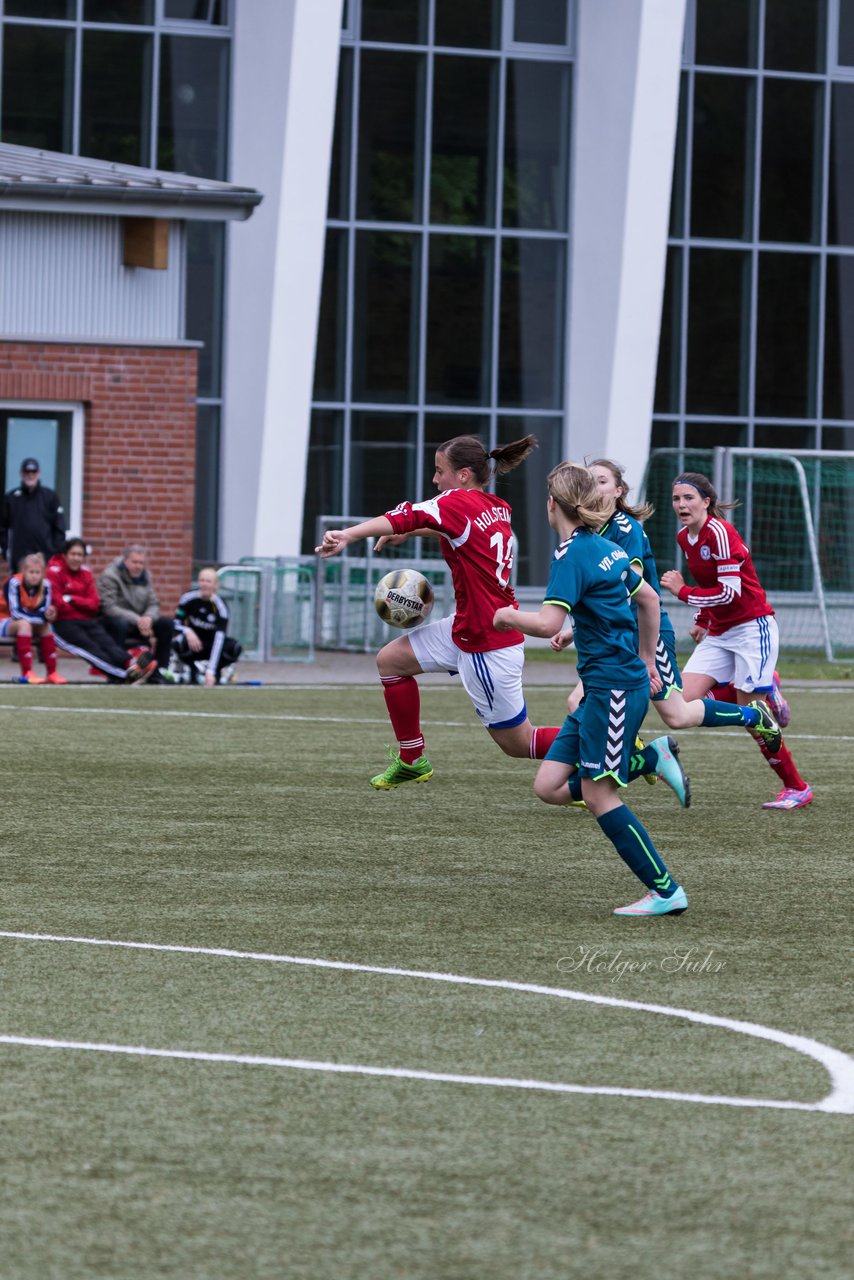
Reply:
x=492, y=680
x=745, y=656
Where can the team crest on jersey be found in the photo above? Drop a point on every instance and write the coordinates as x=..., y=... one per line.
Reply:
x=705, y=553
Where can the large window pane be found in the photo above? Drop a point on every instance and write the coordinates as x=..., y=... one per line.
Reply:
x=773, y=435
x=791, y=161
x=718, y=331
x=670, y=340
x=536, y=149
x=400, y=21
x=468, y=24
x=845, y=51
x=787, y=335
x=840, y=212
x=386, y=337
x=132, y=12
x=324, y=471
x=540, y=21
x=391, y=131
x=680, y=165
x=726, y=33
x=707, y=435
x=795, y=34
x=722, y=161
x=339, y=171
x=38, y=74
x=531, y=337
x=193, y=125
x=839, y=339
x=206, y=517
x=382, y=461
x=525, y=490
x=40, y=8
x=462, y=160
x=459, y=320
x=195, y=11
x=116, y=97
x=332, y=326
x=205, y=262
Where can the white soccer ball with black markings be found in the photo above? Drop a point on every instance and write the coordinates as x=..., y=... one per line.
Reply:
x=403, y=598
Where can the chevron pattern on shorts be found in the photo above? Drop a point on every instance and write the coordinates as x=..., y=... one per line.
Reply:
x=665, y=666
x=616, y=729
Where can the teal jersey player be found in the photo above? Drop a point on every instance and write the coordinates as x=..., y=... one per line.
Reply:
x=592, y=579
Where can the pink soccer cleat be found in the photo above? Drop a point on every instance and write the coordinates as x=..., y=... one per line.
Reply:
x=789, y=798
x=776, y=700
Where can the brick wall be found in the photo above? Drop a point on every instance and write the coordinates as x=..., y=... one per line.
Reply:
x=139, y=444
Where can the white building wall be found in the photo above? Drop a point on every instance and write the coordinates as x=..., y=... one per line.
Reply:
x=283, y=111
x=61, y=275
x=624, y=134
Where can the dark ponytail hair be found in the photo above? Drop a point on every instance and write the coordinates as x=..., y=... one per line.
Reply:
x=468, y=451
x=704, y=486
x=642, y=511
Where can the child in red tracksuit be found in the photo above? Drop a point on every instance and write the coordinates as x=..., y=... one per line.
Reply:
x=31, y=611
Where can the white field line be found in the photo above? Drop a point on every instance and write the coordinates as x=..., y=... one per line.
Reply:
x=839, y=1066
x=287, y=718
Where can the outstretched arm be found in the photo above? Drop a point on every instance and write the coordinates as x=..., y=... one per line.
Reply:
x=545, y=624
x=335, y=540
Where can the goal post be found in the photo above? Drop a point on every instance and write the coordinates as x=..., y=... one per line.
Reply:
x=796, y=513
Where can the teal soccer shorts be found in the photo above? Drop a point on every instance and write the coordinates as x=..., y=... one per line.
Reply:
x=599, y=736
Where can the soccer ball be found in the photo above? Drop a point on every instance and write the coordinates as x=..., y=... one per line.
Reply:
x=403, y=598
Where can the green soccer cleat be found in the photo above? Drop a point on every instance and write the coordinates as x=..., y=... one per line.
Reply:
x=766, y=727
x=397, y=772
x=670, y=770
x=652, y=904
x=651, y=778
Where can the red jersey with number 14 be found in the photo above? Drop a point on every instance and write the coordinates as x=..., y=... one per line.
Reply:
x=477, y=545
x=728, y=591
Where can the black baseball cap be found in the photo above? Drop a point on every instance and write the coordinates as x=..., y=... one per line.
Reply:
x=30, y=464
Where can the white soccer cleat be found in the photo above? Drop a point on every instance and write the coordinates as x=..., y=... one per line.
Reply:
x=652, y=904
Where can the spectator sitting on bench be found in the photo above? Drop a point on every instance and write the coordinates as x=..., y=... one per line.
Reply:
x=31, y=611
x=131, y=610
x=77, y=626
x=201, y=620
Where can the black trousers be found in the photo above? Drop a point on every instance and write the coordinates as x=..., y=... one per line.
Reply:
x=126, y=634
x=89, y=639
x=229, y=653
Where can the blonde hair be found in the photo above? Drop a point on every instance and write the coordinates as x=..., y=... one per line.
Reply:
x=210, y=569
x=35, y=557
x=579, y=497
x=641, y=512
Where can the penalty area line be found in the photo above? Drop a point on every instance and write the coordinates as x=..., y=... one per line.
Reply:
x=838, y=1065
x=399, y=1073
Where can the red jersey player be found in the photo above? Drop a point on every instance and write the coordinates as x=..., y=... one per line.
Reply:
x=736, y=630
x=477, y=544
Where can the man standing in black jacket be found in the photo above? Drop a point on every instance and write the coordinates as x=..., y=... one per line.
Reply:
x=32, y=518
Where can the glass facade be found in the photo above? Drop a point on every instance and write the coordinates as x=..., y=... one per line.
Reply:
x=757, y=337
x=142, y=82
x=444, y=299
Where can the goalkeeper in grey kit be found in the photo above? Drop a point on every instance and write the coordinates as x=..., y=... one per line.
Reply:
x=201, y=620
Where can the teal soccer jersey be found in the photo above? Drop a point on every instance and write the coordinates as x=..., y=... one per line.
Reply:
x=630, y=534
x=592, y=579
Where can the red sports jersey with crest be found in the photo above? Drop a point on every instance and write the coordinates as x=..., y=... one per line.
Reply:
x=477, y=544
x=728, y=591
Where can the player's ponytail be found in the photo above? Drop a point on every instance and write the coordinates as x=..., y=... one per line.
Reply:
x=704, y=486
x=468, y=451
x=578, y=495
x=640, y=512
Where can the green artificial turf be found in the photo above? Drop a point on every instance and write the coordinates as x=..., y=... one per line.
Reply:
x=253, y=829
